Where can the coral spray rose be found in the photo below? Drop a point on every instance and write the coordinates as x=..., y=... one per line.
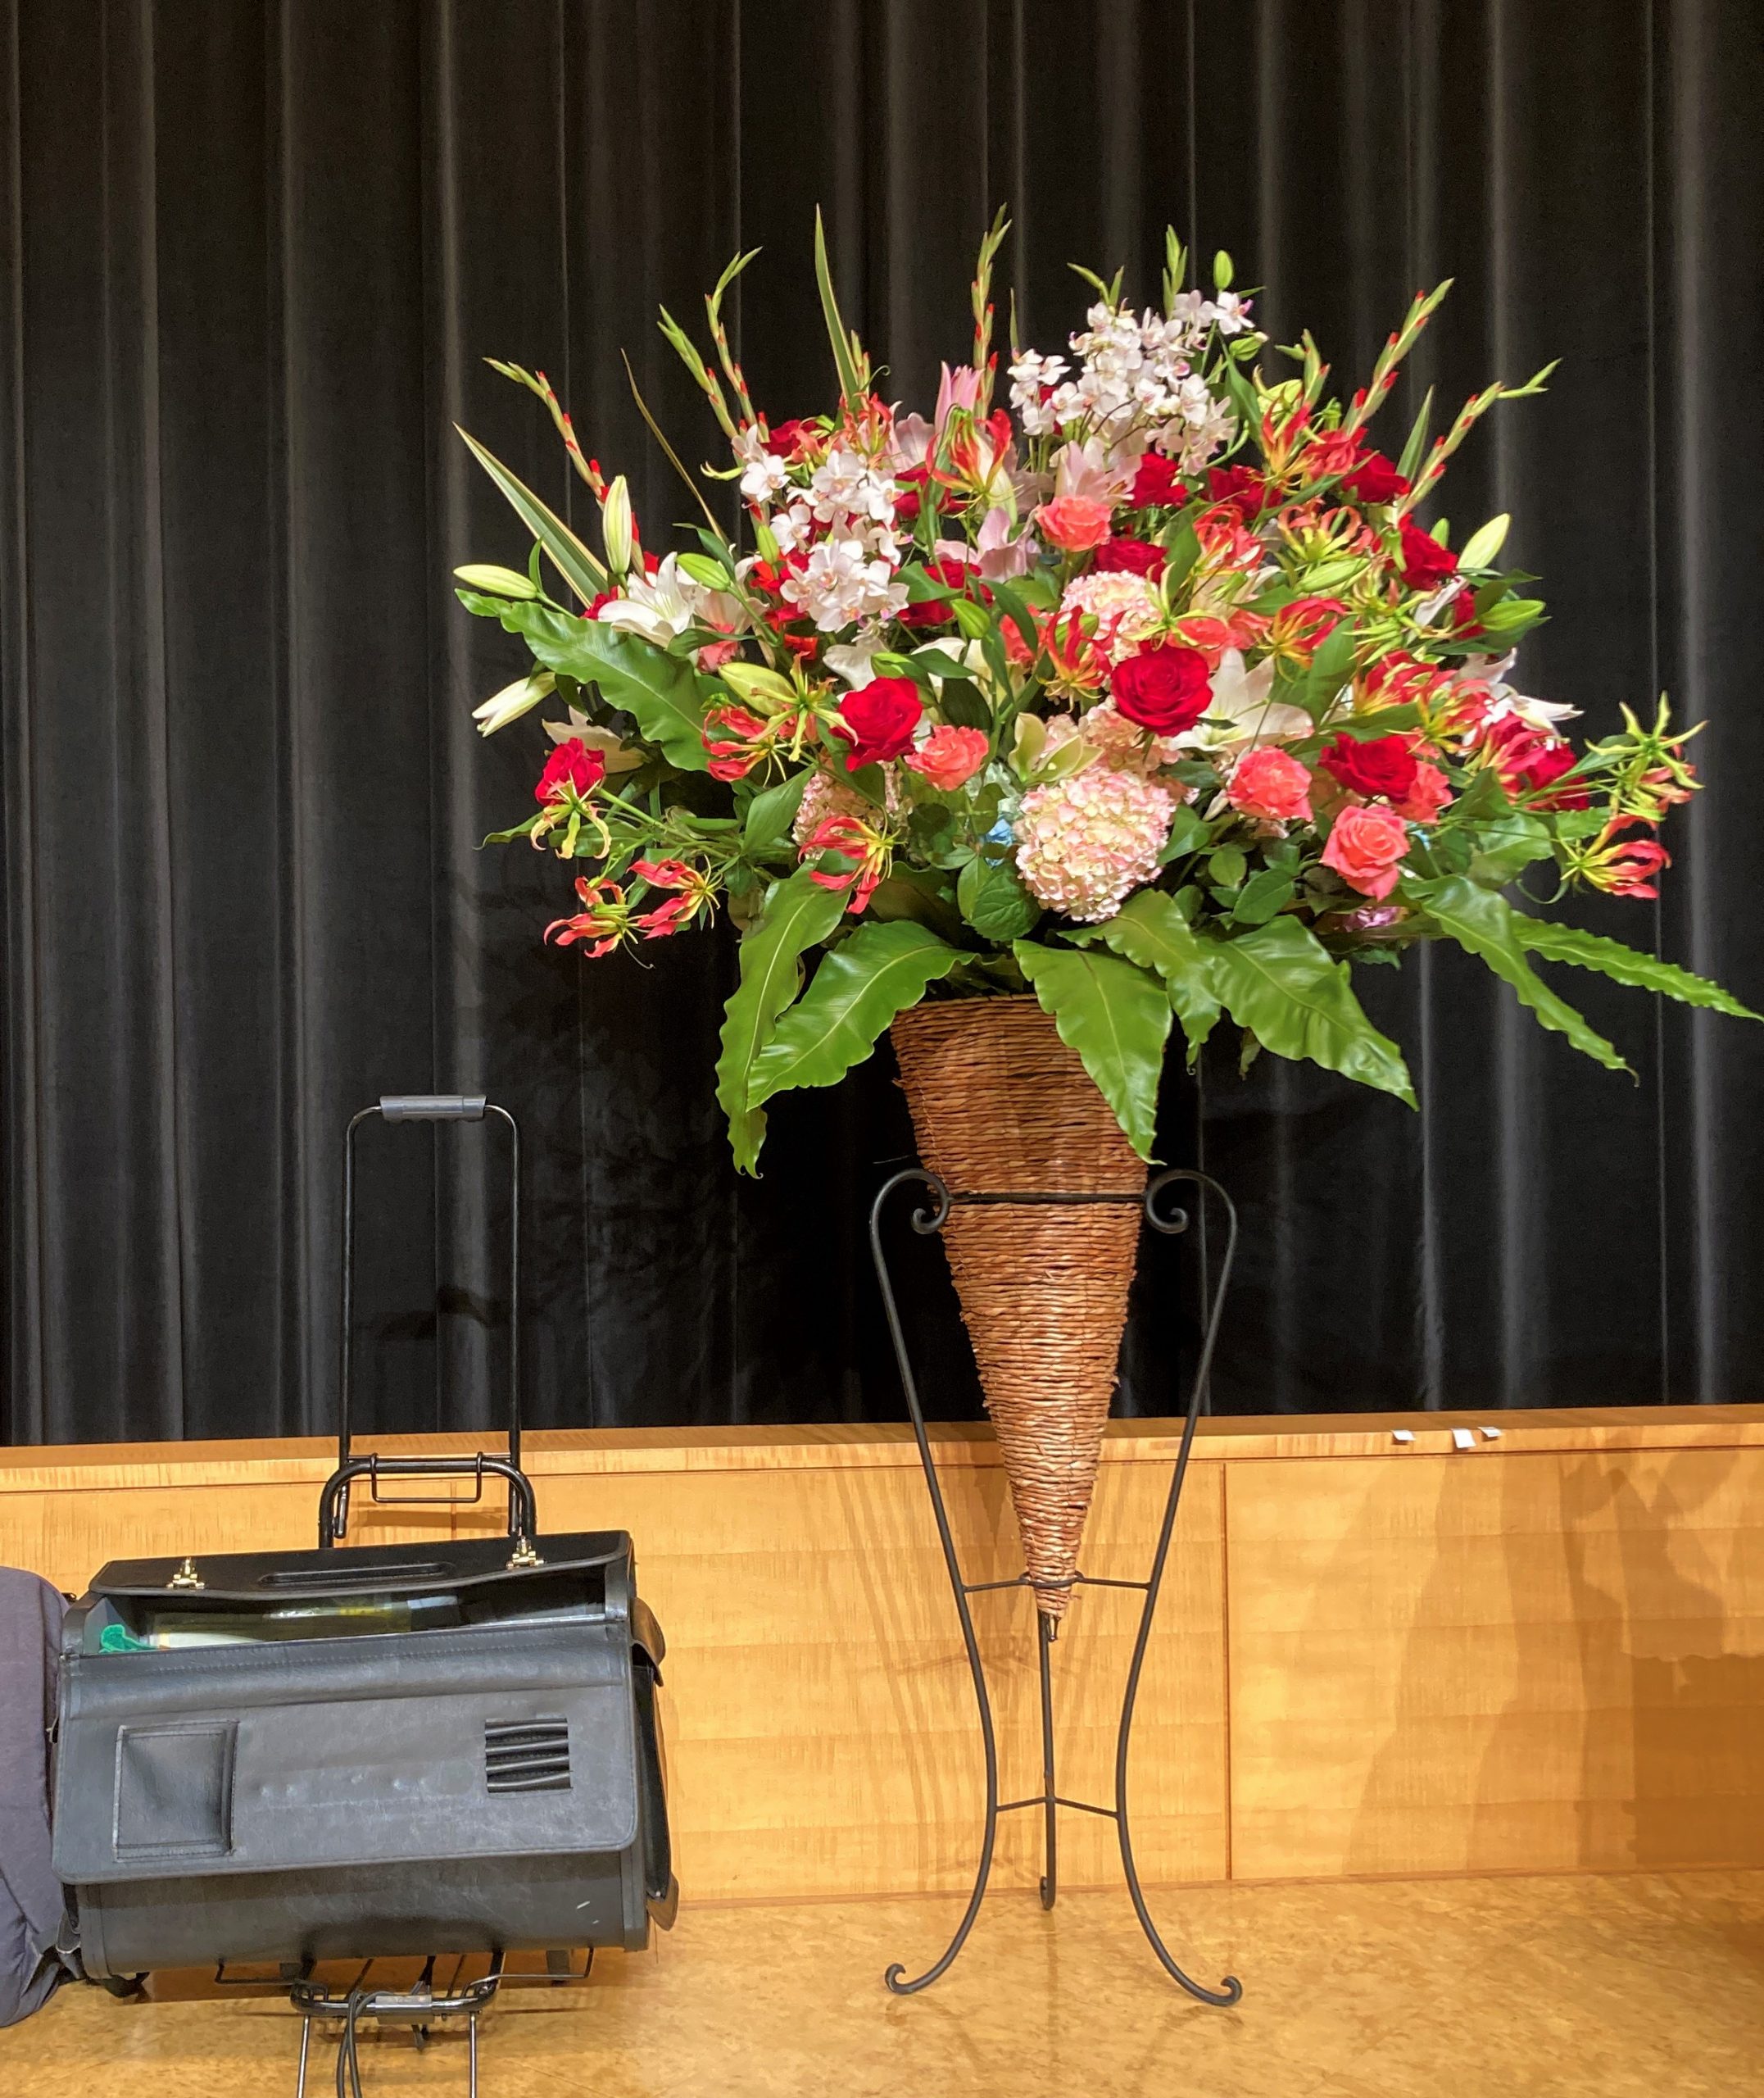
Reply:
x=949, y=757
x=880, y=719
x=1365, y=848
x=1166, y=689
x=1073, y=522
x=1272, y=784
x=1430, y=792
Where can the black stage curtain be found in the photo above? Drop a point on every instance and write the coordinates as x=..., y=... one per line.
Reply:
x=253, y=253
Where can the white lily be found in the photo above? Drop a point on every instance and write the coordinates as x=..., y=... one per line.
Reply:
x=1241, y=712
x=579, y=729
x=853, y=660
x=1492, y=671
x=658, y=607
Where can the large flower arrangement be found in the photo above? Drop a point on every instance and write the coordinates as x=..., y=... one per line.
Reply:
x=1150, y=693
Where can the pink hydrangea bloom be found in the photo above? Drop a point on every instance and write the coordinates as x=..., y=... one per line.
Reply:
x=1083, y=843
x=1126, y=608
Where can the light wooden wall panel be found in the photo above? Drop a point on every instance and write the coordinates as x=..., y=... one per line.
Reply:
x=821, y=1721
x=1545, y=1653
x=1497, y=1660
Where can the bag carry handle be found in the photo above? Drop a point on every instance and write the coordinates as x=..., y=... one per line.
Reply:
x=333, y=1502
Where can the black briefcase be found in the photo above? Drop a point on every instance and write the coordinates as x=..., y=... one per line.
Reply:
x=395, y=1749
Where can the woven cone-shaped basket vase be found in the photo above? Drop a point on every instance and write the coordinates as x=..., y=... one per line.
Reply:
x=1001, y=1105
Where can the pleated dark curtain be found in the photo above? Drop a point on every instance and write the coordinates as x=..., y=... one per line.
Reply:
x=251, y=257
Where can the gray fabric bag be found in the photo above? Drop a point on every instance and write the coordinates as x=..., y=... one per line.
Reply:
x=31, y=1904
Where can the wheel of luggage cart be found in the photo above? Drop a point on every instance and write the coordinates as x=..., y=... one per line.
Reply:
x=404, y=1751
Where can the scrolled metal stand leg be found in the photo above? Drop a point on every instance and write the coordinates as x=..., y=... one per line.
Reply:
x=1230, y=1989
x=926, y=1221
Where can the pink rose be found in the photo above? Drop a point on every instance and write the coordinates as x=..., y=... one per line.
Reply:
x=1365, y=847
x=949, y=757
x=1272, y=784
x=1430, y=792
x=1073, y=522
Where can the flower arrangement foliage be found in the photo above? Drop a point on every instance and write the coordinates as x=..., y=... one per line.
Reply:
x=1149, y=692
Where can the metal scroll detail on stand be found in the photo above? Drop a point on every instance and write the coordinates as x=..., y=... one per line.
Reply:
x=1049, y=1800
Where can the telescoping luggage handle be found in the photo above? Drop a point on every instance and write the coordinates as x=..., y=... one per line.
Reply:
x=334, y=1503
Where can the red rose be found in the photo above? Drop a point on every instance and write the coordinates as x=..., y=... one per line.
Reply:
x=1426, y=563
x=1165, y=689
x=1241, y=488
x=786, y=439
x=1130, y=558
x=572, y=767
x=1156, y=483
x=1382, y=766
x=910, y=484
x=880, y=719
x=933, y=612
x=1375, y=480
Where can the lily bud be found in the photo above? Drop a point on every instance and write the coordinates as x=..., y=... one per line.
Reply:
x=497, y=582
x=759, y=688
x=616, y=526
x=1486, y=543
x=512, y=702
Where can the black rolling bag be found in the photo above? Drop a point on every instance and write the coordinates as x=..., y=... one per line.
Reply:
x=395, y=1749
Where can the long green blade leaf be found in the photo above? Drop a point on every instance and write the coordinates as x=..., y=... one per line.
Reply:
x=1281, y=983
x=1149, y=930
x=574, y=563
x=1484, y=924
x=801, y=914
x=850, y=389
x=1117, y=1017
x=1611, y=958
x=659, y=691
x=858, y=989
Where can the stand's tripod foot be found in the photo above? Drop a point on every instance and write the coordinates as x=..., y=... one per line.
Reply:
x=1230, y=1990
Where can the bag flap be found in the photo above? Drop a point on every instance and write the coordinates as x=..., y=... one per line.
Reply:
x=237, y=1760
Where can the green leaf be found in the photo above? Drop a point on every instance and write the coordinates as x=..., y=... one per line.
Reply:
x=859, y=987
x=964, y=704
x=1117, y=1017
x=1410, y=462
x=1188, y=831
x=1330, y=668
x=1227, y=866
x=1265, y=896
x=772, y=811
x=1484, y=924
x=1507, y=847
x=850, y=387
x=994, y=901
x=1151, y=930
x=1281, y=983
x=1611, y=958
x=574, y=563
x=659, y=691
x=800, y=914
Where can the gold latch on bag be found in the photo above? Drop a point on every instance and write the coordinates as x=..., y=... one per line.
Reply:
x=186, y=1576
x=523, y=1556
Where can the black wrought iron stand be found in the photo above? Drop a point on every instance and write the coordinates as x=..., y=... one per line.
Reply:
x=1050, y=1799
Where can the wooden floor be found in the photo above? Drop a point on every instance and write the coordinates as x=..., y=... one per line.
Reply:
x=1590, y=1987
